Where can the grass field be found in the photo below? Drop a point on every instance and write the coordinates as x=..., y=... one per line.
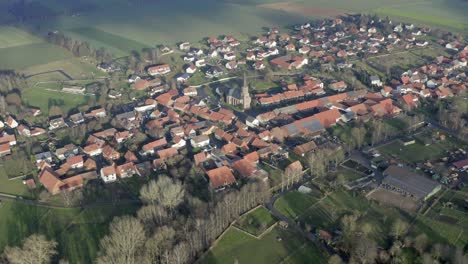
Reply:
x=19, y=57
x=15, y=186
x=11, y=37
x=40, y=97
x=256, y=222
x=294, y=203
x=77, y=231
x=237, y=246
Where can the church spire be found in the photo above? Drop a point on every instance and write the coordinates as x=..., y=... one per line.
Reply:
x=246, y=100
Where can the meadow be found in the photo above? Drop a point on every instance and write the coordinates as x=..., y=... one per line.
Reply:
x=238, y=246
x=77, y=231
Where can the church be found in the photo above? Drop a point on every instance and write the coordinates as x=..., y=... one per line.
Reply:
x=239, y=96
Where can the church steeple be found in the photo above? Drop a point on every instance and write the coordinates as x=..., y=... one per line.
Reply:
x=246, y=100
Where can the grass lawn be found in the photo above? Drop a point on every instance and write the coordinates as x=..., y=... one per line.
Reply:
x=294, y=203
x=77, y=231
x=416, y=152
x=306, y=252
x=74, y=67
x=236, y=245
x=257, y=221
x=347, y=174
x=15, y=186
x=40, y=97
x=19, y=57
x=11, y=37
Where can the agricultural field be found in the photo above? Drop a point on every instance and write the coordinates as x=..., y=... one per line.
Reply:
x=11, y=37
x=256, y=222
x=238, y=246
x=77, y=231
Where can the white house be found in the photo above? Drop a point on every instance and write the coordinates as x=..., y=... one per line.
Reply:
x=179, y=143
x=375, y=80
x=200, y=141
x=191, y=69
x=11, y=122
x=108, y=174
x=200, y=63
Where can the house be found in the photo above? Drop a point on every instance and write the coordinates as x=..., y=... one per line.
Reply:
x=44, y=156
x=191, y=69
x=6, y=138
x=305, y=148
x=127, y=170
x=230, y=56
x=167, y=153
x=24, y=130
x=200, y=63
x=190, y=91
x=410, y=101
x=57, y=123
x=75, y=162
x=200, y=141
x=113, y=94
x=108, y=174
x=77, y=118
x=409, y=184
x=133, y=78
x=5, y=149
x=54, y=185
x=338, y=86
x=11, y=122
x=159, y=70
x=375, y=80
x=461, y=164
x=290, y=62
x=214, y=72
x=178, y=142
x=184, y=46
x=182, y=78
x=231, y=65
x=259, y=65
x=199, y=158
x=110, y=153
x=96, y=113
x=93, y=149
x=220, y=178
x=150, y=148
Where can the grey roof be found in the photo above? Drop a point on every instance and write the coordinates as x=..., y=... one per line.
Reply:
x=313, y=125
x=411, y=182
x=235, y=92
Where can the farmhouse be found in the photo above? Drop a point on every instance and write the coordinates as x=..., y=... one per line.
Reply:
x=408, y=183
x=290, y=62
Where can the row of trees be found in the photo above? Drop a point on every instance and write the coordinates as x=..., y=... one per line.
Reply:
x=78, y=48
x=174, y=227
x=358, y=244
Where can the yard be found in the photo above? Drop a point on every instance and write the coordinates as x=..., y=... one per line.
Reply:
x=256, y=222
x=77, y=231
x=276, y=246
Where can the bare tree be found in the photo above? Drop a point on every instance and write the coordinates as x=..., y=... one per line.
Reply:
x=36, y=249
x=164, y=191
x=124, y=243
x=399, y=228
x=335, y=259
x=364, y=250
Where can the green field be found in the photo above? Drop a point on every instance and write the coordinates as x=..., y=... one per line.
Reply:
x=256, y=222
x=12, y=186
x=235, y=245
x=11, y=37
x=19, y=57
x=77, y=231
x=294, y=203
x=40, y=97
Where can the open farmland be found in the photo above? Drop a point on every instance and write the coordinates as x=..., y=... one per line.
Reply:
x=23, y=56
x=11, y=37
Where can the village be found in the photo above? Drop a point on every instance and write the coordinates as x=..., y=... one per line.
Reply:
x=233, y=131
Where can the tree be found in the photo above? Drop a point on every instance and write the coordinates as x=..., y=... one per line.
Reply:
x=164, y=191
x=364, y=250
x=420, y=243
x=399, y=228
x=36, y=249
x=124, y=242
x=335, y=259
x=359, y=134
